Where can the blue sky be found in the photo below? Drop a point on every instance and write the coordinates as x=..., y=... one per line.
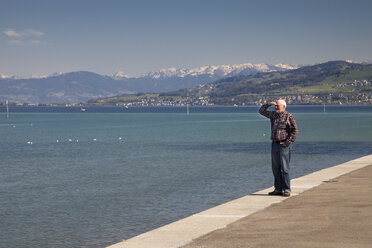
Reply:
x=42, y=37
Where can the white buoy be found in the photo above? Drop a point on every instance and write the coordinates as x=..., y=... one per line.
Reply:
x=70, y=140
x=120, y=138
x=77, y=140
x=29, y=142
x=94, y=139
x=57, y=141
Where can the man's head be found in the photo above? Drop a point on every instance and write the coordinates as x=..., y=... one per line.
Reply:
x=280, y=106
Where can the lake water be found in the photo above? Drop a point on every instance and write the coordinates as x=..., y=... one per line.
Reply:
x=89, y=179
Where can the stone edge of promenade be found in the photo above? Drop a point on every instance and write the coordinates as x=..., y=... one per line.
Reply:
x=183, y=231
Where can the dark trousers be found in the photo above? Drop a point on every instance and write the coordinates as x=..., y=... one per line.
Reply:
x=280, y=158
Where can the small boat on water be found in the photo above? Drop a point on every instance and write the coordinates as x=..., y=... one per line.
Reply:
x=83, y=109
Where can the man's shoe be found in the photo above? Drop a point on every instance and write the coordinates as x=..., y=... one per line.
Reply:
x=276, y=192
x=287, y=193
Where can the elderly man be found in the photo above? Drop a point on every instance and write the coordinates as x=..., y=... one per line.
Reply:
x=284, y=131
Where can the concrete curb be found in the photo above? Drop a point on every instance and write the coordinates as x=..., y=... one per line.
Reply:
x=182, y=232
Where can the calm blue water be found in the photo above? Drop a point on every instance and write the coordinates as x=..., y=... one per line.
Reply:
x=94, y=178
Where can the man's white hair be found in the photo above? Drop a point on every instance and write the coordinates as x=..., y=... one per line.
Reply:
x=282, y=102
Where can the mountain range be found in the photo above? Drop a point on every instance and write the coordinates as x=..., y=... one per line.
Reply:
x=81, y=86
x=333, y=82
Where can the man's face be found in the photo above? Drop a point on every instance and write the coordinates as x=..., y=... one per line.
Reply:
x=279, y=108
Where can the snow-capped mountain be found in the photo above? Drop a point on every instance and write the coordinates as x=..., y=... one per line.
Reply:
x=218, y=71
x=364, y=62
x=120, y=75
x=3, y=76
x=173, y=79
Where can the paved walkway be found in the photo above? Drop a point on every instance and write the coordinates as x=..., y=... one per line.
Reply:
x=335, y=214
x=327, y=208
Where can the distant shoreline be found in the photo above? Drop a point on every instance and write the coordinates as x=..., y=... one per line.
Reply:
x=191, y=105
x=86, y=109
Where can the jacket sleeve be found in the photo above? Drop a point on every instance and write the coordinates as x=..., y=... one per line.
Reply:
x=263, y=111
x=293, y=130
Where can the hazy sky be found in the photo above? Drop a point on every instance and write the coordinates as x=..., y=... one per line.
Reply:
x=42, y=37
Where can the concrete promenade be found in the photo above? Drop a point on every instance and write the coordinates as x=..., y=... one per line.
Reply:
x=328, y=208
